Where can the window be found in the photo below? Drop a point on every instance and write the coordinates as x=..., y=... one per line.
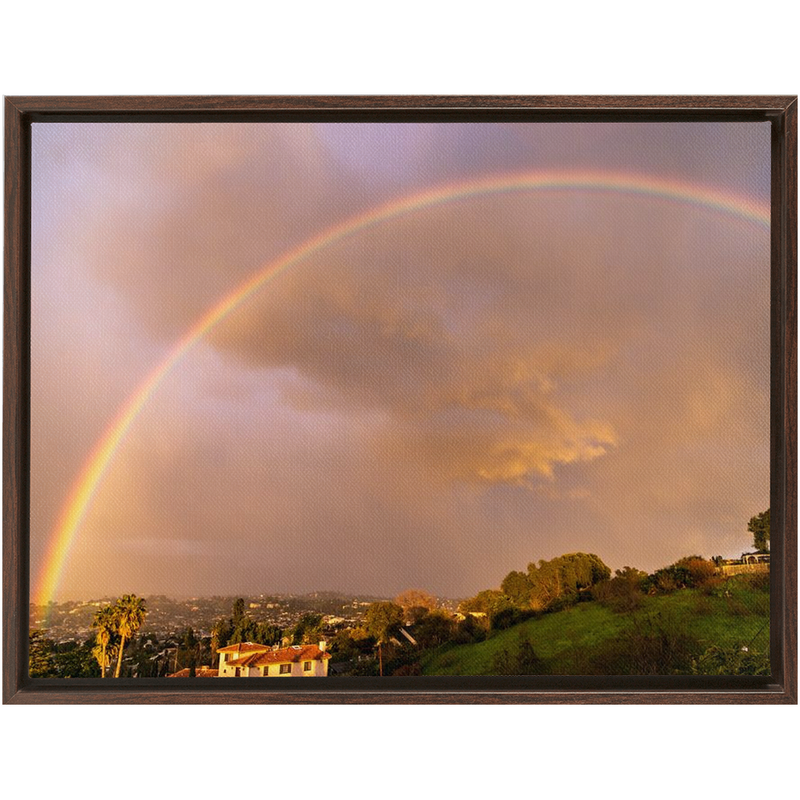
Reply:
x=266, y=671
x=238, y=672
x=306, y=666
x=285, y=669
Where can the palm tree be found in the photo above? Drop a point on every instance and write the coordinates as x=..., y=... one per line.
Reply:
x=106, y=625
x=383, y=620
x=129, y=613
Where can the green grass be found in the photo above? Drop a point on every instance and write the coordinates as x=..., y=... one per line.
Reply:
x=734, y=615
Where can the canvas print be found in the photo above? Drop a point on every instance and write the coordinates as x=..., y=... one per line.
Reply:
x=348, y=399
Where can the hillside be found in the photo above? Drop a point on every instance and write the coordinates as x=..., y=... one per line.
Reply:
x=590, y=638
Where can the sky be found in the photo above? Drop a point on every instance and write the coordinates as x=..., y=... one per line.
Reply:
x=432, y=401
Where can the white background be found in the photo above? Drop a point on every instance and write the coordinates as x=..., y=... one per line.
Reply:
x=415, y=47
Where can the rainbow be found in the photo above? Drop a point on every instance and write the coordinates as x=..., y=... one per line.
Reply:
x=91, y=475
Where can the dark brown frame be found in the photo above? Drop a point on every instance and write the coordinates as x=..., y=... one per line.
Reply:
x=781, y=687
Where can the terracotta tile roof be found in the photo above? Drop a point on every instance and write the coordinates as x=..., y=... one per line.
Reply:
x=307, y=652
x=243, y=661
x=244, y=647
x=202, y=672
x=285, y=655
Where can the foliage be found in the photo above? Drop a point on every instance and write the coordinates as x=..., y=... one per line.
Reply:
x=350, y=643
x=655, y=644
x=239, y=614
x=488, y=602
x=759, y=527
x=522, y=661
x=517, y=587
x=507, y=617
x=416, y=599
x=383, y=620
x=587, y=637
x=221, y=634
x=113, y=626
x=736, y=660
x=105, y=623
x=129, y=614
x=308, y=629
x=469, y=630
x=623, y=592
x=188, y=652
x=266, y=633
x=240, y=627
x=40, y=655
x=686, y=573
x=434, y=629
x=548, y=586
x=66, y=660
x=564, y=578
x=405, y=670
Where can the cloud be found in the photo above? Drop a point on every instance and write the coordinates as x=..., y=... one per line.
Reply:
x=434, y=401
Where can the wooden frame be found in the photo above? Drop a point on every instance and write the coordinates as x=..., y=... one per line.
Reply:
x=781, y=112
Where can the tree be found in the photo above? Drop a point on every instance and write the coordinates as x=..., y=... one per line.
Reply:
x=383, y=620
x=129, y=614
x=220, y=637
x=308, y=629
x=434, y=629
x=239, y=614
x=759, y=527
x=40, y=655
x=267, y=633
x=517, y=586
x=188, y=651
x=416, y=598
x=244, y=629
x=686, y=573
x=488, y=602
x=74, y=660
x=623, y=592
x=105, y=624
x=564, y=578
x=524, y=661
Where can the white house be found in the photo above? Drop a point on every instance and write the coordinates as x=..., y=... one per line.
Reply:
x=249, y=660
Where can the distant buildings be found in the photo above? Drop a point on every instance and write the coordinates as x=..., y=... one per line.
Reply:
x=749, y=562
x=201, y=672
x=755, y=558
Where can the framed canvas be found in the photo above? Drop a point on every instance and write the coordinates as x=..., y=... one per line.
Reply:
x=430, y=399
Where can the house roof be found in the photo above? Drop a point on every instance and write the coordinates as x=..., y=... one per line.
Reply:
x=202, y=672
x=284, y=655
x=244, y=647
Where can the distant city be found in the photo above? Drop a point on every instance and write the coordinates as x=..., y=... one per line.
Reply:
x=71, y=621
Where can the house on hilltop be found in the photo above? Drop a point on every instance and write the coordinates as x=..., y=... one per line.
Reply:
x=755, y=558
x=249, y=660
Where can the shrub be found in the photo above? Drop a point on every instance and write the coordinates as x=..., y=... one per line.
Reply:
x=738, y=660
x=699, y=570
x=433, y=629
x=623, y=592
x=523, y=661
x=507, y=618
x=688, y=572
x=758, y=581
x=469, y=630
x=408, y=669
x=713, y=586
x=655, y=645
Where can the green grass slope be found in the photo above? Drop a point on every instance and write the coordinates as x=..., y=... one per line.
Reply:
x=589, y=638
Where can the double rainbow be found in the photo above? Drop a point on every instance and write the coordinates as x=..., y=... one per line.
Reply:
x=91, y=475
